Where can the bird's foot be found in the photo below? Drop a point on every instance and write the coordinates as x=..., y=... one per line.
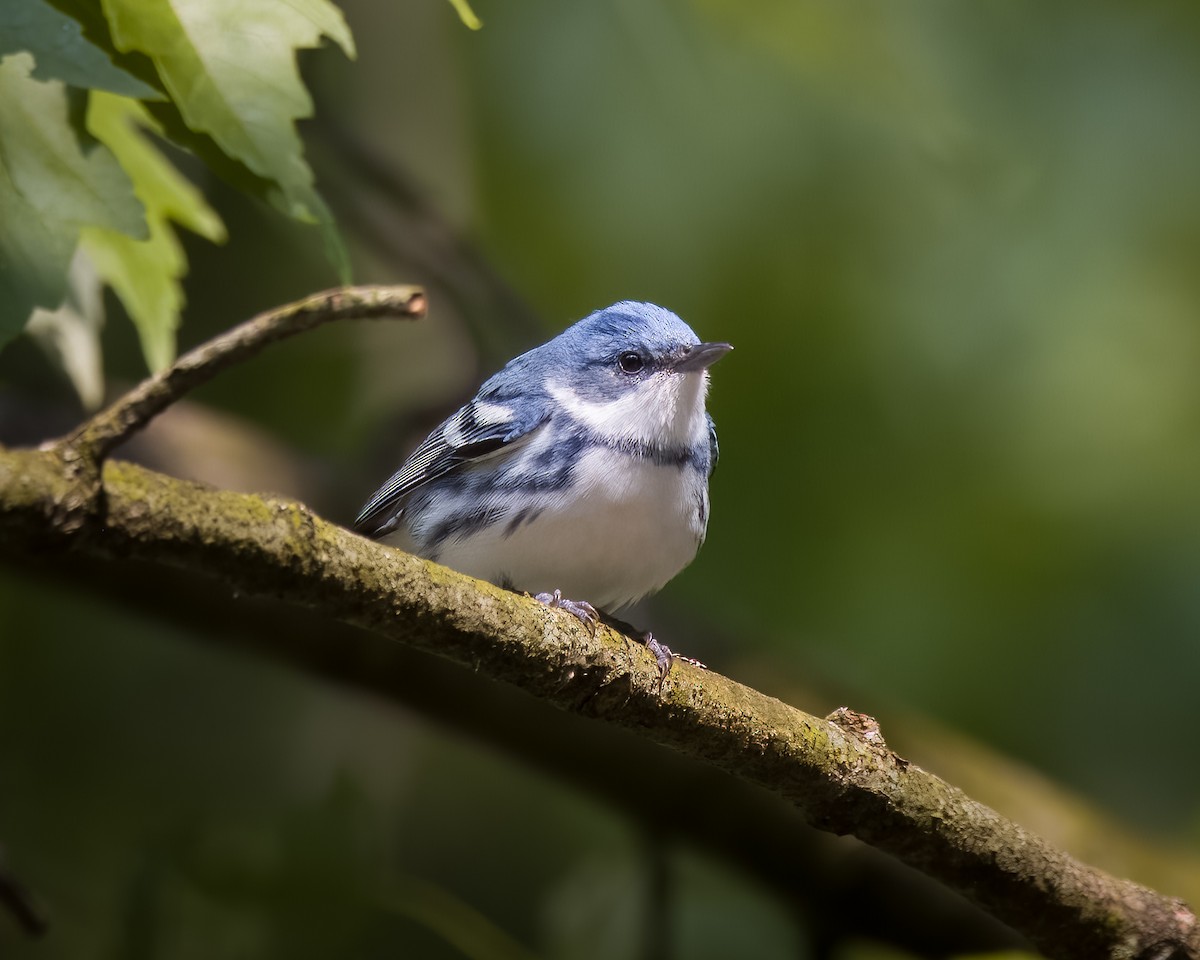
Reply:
x=665, y=657
x=662, y=653
x=580, y=608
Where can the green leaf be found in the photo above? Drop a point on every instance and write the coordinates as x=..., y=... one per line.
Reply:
x=145, y=273
x=90, y=17
x=96, y=30
x=70, y=335
x=230, y=67
x=60, y=50
x=51, y=187
x=466, y=14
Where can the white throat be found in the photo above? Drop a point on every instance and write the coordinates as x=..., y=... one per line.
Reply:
x=665, y=410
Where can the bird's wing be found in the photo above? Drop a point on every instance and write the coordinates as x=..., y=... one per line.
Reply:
x=482, y=427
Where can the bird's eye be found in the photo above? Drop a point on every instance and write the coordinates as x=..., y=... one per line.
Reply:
x=631, y=362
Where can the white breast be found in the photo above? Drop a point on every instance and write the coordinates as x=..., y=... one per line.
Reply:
x=624, y=528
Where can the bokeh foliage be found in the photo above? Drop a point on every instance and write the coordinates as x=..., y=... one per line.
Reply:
x=955, y=247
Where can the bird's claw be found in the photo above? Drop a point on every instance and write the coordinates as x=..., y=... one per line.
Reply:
x=662, y=654
x=666, y=657
x=581, y=609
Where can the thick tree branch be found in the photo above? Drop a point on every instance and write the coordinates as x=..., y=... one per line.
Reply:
x=842, y=890
x=838, y=781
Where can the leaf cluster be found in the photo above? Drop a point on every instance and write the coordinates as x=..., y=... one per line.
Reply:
x=89, y=196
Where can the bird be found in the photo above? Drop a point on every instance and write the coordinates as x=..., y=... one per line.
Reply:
x=577, y=474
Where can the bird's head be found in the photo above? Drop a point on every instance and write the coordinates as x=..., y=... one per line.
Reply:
x=636, y=372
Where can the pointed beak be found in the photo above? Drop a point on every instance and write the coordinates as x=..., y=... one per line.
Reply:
x=700, y=356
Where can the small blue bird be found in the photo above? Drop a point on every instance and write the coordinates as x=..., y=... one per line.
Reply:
x=579, y=470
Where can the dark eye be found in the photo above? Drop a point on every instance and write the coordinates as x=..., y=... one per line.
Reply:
x=631, y=362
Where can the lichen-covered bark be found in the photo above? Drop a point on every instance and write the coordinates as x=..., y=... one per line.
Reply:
x=841, y=782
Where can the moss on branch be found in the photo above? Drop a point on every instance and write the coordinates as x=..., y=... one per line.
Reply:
x=840, y=781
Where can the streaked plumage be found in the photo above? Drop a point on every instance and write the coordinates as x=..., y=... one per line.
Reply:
x=582, y=466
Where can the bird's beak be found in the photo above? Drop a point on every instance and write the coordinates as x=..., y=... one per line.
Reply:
x=700, y=356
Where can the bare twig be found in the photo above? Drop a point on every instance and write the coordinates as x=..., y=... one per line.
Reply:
x=96, y=438
x=837, y=781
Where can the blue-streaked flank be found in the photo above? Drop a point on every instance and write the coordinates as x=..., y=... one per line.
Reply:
x=582, y=466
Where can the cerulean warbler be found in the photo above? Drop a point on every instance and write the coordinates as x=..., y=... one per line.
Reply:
x=579, y=470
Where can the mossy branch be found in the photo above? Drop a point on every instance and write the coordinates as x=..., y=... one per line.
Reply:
x=840, y=776
x=838, y=779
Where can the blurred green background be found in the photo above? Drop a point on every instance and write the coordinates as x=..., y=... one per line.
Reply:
x=957, y=248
